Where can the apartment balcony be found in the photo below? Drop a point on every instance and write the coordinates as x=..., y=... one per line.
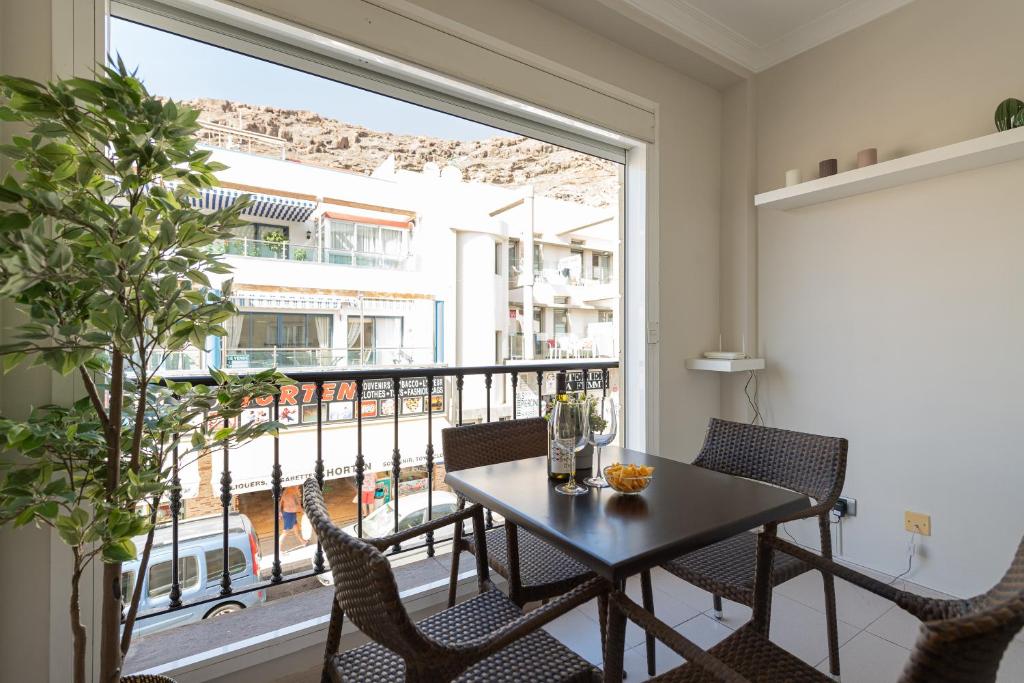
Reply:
x=277, y=578
x=319, y=358
x=302, y=253
x=191, y=360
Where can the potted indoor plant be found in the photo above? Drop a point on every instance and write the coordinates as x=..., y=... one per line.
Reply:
x=103, y=252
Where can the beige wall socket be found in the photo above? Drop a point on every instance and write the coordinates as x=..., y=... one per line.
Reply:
x=918, y=521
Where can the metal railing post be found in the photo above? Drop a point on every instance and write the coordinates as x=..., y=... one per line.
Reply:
x=318, y=558
x=396, y=456
x=175, y=597
x=225, y=502
x=515, y=394
x=487, y=386
x=540, y=393
x=360, y=462
x=275, y=575
x=430, y=462
x=459, y=383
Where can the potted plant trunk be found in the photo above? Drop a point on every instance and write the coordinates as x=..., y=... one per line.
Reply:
x=103, y=252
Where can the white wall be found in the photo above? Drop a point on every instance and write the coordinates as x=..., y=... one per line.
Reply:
x=895, y=319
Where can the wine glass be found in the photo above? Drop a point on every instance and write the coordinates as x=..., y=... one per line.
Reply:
x=603, y=425
x=569, y=427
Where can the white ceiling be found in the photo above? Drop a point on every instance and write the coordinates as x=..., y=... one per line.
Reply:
x=758, y=34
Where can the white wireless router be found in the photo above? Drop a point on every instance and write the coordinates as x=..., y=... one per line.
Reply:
x=726, y=355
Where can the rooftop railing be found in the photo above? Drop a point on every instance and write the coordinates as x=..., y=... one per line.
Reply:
x=420, y=384
x=250, y=142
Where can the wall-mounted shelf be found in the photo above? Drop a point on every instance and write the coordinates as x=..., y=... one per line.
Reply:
x=989, y=150
x=720, y=365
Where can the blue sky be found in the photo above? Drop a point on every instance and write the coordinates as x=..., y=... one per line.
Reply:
x=181, y=69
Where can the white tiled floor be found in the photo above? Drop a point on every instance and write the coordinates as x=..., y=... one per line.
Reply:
x=875, y=636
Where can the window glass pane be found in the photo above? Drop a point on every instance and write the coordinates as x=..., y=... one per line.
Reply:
x=318, y=331
x=160, y=576
x=391, y=241
x=366, y=239
x=561, y=321
x=293, y=330
x=442, y=509
x=342, y=235
x=410, y=521
x=215, y=563
x=127, y=586
x=264, y=330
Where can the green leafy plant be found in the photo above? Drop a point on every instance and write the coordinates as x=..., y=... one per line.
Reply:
x=1009, y=114
x=277, y=241
x=300, y=254
x=104, y=254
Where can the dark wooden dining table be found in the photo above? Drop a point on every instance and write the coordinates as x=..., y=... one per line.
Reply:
x=616, y=536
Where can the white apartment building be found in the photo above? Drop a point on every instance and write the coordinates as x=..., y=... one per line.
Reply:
x=342, y=270
x=408, y=268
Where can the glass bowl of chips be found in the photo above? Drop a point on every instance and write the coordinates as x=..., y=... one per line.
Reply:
x=628, y=479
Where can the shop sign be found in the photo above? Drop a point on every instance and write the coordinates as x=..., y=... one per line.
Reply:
x=297, y=403
x=594, y=381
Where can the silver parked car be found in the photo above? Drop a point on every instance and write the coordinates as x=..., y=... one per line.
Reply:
x=412, y=511
x=200, y=569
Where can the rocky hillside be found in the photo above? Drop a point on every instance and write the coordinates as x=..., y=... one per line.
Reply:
x=511, y=161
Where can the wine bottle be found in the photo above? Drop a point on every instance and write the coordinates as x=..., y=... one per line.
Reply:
x=558, y=463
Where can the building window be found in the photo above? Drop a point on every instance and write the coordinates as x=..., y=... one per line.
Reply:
x=538, y=258
x=497, y=258
x=538, y=319
x=604, y=316
x=280, y=330
x=601, y=266
x=365, y=245
x=278, y=340
x=375, y=340
x=561, y=321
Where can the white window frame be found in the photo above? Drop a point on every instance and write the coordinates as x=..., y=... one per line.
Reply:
x=80, y=38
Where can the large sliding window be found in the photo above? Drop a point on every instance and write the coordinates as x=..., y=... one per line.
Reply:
x=405, y=179
x=375, y=340
x=365, y=245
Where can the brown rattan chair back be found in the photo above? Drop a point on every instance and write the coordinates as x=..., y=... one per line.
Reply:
x=364, y=585
x=490, y=443
x=810, y=464
x=966, y=644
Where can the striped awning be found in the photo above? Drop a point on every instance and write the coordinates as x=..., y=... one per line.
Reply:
x=260, y=205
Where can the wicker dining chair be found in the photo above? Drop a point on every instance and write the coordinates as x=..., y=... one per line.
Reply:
x=486, y=638
x=807, y=463
x=538, y=571
x=960, y=641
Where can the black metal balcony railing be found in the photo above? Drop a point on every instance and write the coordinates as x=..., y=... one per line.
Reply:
x=586, y=376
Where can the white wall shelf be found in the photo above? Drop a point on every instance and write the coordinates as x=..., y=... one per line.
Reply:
x=722, y=365
x=989, y=150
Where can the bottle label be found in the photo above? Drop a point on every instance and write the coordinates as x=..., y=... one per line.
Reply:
x=562, y=451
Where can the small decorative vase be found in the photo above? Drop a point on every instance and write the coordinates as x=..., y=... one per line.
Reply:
x=828, y=167
x=793, y=177
x=1009, y=114
x=867, y=157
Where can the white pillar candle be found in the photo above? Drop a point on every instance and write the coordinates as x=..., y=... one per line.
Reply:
x=793, y=177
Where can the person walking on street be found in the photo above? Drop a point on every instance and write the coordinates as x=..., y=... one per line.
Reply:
x=291, y=508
